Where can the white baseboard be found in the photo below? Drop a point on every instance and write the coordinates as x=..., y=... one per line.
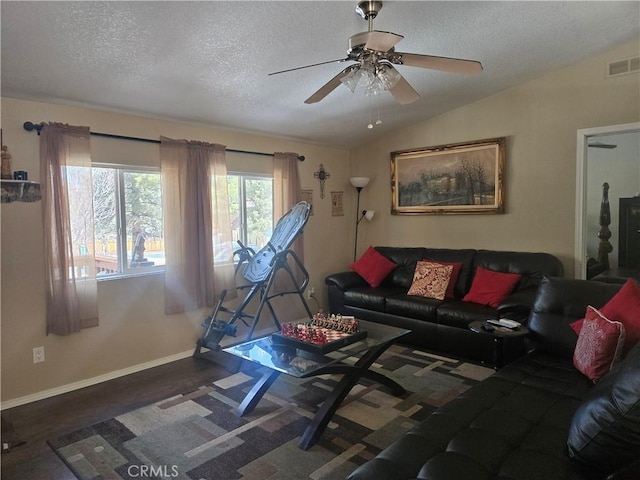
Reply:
x=34, y=397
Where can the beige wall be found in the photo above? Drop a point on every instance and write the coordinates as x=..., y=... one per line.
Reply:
x=133, y=328
x=540, y=120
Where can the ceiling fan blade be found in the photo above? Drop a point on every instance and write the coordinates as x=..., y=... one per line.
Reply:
x=330, y=86
x=446, y=64
x=602, y=145
x=403, y=92
x=308, y=66
x=381, y=41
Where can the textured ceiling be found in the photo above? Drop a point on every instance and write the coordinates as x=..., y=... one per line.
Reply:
x=207, y=62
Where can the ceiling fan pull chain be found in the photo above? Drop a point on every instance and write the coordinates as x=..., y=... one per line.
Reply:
x=370, y=125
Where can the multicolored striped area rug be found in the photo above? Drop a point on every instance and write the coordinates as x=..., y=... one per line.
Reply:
x=197, y=436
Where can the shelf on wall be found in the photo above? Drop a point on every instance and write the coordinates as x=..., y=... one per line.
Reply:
x=19, y=191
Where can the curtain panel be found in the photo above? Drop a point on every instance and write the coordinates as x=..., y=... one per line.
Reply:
x=287, y=191
x=67, y=218
x=198, y=241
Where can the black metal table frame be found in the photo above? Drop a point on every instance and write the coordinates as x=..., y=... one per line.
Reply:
x=352, y=374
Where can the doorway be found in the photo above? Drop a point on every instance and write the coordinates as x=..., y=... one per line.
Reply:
x=608, y=154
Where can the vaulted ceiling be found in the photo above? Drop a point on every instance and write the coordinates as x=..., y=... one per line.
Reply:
x=208, y=62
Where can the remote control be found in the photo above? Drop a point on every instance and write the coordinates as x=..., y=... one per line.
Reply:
x=503, y=322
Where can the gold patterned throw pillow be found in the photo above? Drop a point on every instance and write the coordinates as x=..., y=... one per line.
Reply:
x=430, y=280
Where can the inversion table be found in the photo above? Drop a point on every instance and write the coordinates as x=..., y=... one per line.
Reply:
x=260, y=270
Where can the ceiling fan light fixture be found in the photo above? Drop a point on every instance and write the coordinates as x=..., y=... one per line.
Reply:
x=389, y=76
x=375, y=78
x=351, y=80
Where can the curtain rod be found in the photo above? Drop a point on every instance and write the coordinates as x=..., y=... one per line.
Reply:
x=30, y=126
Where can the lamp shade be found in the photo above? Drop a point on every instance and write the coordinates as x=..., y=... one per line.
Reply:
x=359, y=182
x=369, y=215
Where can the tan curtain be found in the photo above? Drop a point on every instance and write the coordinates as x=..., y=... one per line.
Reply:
x=67, y=216
x=287, y=191
x=198, y=242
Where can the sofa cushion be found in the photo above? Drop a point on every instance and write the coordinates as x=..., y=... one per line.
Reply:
x=605, y=429
x=513, y=425
x=369, y=298
x=599, y=345
x=457, y=313
x=531, y=266
x=547, y=372
x=430, y=280
x=373, y=266
x=404, y=305
x=559, y=302
x=460, y=279
x=490, y=287
x=407, y=257
x=406, y=260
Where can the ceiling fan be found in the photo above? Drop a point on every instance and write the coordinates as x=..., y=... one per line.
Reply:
x=602, y=145
x=374, y=55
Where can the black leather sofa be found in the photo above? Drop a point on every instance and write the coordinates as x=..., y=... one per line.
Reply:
x=442, y=325
x=516, y=423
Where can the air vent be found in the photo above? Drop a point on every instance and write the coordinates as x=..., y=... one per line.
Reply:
x=623, y=67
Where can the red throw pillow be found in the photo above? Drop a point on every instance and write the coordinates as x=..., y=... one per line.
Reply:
x=577, y=326
x=450, y=293
x=430, y=280
x=599, y=345
x=373, y=267
x=623, y=307
x=490, y=287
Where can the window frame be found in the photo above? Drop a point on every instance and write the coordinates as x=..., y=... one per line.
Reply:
x=242, y=193
x=121, y=221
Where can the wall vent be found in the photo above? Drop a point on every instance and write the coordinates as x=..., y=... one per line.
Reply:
x=623, y=67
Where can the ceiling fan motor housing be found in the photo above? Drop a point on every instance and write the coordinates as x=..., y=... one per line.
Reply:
x=357, y=43
x=368, y=8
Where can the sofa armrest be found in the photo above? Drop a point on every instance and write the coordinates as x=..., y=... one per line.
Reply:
x=518, y=305
x=344, y=281
x=337, y=284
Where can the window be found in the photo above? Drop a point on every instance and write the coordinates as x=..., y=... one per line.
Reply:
x=128, y=223
x=128, y=229
x=251, y=206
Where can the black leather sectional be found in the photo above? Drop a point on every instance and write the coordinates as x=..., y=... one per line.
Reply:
x=518, y=423
x=442, y=325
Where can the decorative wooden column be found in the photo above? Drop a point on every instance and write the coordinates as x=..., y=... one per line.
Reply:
x=604, y=234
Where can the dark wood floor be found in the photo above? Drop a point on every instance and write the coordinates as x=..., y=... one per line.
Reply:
x=37, y=422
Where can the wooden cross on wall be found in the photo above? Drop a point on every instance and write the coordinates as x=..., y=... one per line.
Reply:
x=321, y=175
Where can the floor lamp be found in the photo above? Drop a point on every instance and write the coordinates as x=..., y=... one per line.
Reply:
x=359, y=183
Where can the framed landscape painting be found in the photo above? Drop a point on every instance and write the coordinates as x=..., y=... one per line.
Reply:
x=449, y=179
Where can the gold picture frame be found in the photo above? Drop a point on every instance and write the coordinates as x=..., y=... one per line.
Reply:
x=459, y=178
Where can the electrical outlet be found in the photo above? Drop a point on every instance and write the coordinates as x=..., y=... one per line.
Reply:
x=311, y=293
x=38, y=355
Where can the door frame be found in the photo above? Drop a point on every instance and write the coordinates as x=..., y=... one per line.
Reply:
x=583, y=136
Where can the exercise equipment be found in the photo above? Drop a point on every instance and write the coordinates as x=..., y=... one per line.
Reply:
x=259, y=273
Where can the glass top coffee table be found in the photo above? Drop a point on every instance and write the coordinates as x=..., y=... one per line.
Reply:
x=300, y=363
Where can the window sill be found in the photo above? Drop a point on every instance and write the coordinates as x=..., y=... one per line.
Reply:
x=121, y=276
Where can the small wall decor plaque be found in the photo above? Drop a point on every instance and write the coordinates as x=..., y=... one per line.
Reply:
x=307, y=196
x=337, y=209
